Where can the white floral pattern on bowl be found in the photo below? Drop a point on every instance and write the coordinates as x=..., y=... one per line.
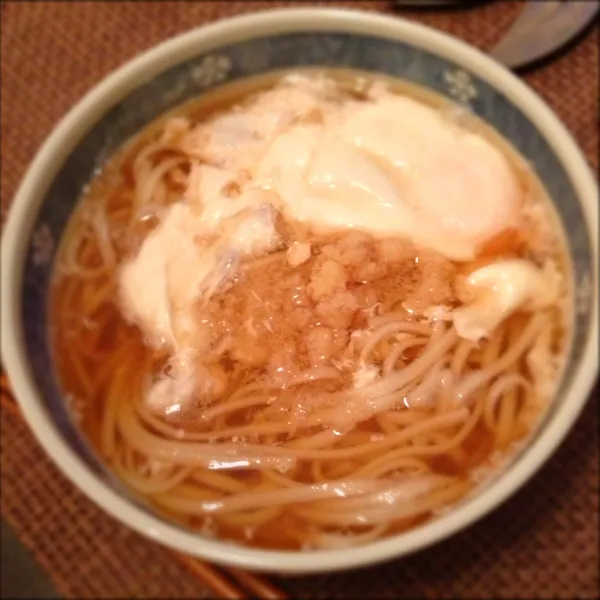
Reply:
x=460, y=85
x=42, y=245
x=214, y=68
x=584, y=293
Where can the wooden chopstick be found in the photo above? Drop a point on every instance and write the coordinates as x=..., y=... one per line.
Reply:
x=211, y=577
x=261, y=588
x=218, y=582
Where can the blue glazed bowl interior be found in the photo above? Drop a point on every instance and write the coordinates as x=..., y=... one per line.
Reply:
x=258, y=57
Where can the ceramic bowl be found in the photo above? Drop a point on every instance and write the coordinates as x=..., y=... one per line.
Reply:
x=211, y=56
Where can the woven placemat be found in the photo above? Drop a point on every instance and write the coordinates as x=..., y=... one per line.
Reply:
x=543, y=543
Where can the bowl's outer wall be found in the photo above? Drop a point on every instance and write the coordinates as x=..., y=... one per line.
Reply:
x=244, y=47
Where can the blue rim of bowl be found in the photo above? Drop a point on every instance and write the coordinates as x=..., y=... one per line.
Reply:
x=328, y=43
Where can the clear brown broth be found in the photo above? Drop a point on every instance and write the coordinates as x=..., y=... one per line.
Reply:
x=79, y=339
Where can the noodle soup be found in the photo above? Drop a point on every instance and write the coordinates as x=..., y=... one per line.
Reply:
x=310, y=311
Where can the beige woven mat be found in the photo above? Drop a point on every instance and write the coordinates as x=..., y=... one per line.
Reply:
x=542, y=543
